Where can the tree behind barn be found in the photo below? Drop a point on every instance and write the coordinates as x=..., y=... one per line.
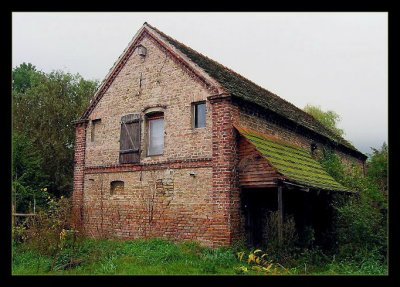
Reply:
x=377, y=166
x=44, y=107
x=328, y=118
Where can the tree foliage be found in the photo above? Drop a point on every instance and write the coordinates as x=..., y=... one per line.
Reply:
x=44, y=108
x=328, y=118
x=24, y=76
x=361, y=218
x=377, y=167
x=28, y=180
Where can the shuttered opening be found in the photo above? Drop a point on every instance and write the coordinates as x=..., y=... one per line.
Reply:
x=130, y=139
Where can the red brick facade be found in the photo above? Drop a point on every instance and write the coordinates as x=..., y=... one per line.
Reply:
x=79, y=166
x=191, y=191
x=169, y=196
x=224, y=173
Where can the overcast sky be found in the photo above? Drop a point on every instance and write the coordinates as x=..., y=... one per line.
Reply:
x=338, y=61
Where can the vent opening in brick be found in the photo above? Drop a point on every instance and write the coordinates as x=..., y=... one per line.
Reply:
x=142, y=51
x=116, y=187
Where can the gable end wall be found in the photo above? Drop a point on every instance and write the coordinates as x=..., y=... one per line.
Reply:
x=176, y=195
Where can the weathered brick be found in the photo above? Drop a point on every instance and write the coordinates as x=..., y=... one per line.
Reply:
x=191, y=192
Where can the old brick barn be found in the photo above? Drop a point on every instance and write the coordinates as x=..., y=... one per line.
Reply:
x=177, y=146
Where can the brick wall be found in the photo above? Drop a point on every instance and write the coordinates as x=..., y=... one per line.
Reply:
x=226, y=190
x=164, y=203
x=79, y=165
x=168, y=196
x=178, y=200
x=164, y=83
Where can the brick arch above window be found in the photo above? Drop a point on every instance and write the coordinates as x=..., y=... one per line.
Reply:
x=154, y=109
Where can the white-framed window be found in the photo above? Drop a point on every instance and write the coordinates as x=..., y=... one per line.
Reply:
x=155, y=144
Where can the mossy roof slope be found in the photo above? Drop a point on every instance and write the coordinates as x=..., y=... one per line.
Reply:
x=245, y=89
x=294, y=163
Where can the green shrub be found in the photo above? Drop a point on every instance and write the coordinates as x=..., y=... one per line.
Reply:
x=285, y=248
x=360, y=221
x=258, y=261
x=28, y=181
x=307, y=237
x=314, y=256
x=49, y=233
x=377, y=167
x=19, y=234
x=44, y=232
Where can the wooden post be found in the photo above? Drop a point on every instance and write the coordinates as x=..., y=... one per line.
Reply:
x=280, y=215
x=14, y=218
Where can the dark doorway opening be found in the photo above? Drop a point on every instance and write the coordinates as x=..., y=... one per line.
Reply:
x=312, y=213
x=256, y=203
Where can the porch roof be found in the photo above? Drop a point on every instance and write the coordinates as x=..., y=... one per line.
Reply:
x=293, y=163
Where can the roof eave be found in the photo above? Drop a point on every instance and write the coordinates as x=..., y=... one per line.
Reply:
x=287, y=181
x=218, y=88
x=354, y=152
x=101, y=89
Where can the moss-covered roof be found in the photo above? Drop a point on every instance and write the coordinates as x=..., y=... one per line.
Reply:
x=246, y=90
x=294, y=163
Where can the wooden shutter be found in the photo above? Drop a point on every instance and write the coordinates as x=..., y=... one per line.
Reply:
x=129, y=151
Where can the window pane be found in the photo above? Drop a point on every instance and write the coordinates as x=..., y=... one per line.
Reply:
x=156, y=138
x=200, y=115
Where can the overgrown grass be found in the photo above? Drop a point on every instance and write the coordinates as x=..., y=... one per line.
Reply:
x=315, y=262
x=160, y=257
x=134, y=257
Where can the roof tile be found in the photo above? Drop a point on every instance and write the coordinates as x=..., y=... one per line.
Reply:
x=245, y=89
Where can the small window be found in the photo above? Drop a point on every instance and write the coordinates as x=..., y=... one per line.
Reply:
x=116, y=187
x=199, y=115
x=156, y=134
x=95, y=125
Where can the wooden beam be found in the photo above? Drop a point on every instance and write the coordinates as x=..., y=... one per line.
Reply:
x=280, y=215
x=258, y=185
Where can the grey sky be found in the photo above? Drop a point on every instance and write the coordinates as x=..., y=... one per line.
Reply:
x=338, y=61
